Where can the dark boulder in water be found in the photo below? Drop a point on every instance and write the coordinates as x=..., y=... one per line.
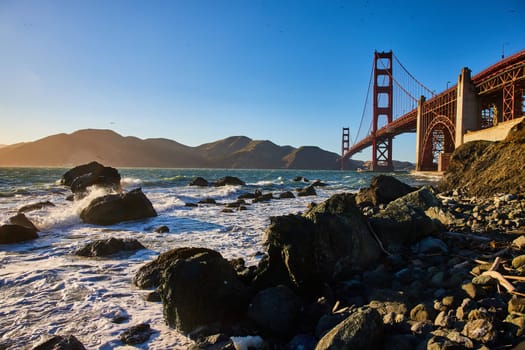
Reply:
x=58, y=342
x=111, y=209
x=10, y=234
x=229, y=181
x=105, y=247
x=22, y=220
x=383, y=189
x=94, y=173
x=136, y=335
x=35, y=206
x=201, y=290
x=306, y=191
x=148, y=276
x=199, y=181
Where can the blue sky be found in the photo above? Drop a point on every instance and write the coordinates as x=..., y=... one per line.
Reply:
x=291, y=71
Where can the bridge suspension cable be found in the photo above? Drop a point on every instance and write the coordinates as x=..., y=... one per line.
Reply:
x=365, y=106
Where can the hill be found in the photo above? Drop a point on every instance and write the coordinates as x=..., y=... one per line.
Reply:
x=484, y=168
x=110, y=148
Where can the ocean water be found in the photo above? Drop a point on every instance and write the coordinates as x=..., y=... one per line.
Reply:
x=46, y=290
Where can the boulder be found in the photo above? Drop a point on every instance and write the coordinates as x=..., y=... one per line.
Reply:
x=111, y=209
x=201, y=290
x=300, y=179
x=383, y=189
x=403, y=221
x=58, y=342
x=94, y=173
x=199, y=181
x=306, y=191
x=10, y=234
x=229, y=181
x=35, y=206
x=105, y=247
x=328, y=243
x=162, y=229
x=148, y=275
x=362, y=330
x=275, y=309
x=136, y=335
x=286, y=195
x=21, y=220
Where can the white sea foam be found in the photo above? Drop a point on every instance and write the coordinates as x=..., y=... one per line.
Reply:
x=129, y=182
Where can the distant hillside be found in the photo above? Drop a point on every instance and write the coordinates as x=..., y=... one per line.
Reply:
x=110, y=148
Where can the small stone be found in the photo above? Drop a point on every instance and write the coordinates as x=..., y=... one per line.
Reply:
x=466, y=306
x=226, y=210
x=443, y=320
x=516, y=305
x=473, y=291
x=153, y=297
x=162, y=229
x=460, y=339
x=430, y=245
x=422, y=327
x=518, y=262
x=481, y=329
x=484, y=280
x=422, y=312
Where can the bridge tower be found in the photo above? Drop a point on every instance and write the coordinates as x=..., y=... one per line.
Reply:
x=345, y=145
x=382, y=111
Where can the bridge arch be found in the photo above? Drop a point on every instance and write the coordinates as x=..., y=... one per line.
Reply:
x=439, y=137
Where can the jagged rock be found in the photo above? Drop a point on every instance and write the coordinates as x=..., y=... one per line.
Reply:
x=318, y=183
x=148, y=275
x=328, y=243
x=201, y=289
x=21, y=220
x=35, y=206
x=94, y=173
x=111, y=209
x=306, y=191
x=105, y=247
x=136, y=335
x=199, y=181
x=10, y=234
x=404, y=221
x=383, y=189
x=229, y=181
x=362, y=330
x=207, y=201
x=275, y=309
x=300, y=179
x=58, y=342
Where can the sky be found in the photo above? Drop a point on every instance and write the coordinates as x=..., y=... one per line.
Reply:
x=294, y=72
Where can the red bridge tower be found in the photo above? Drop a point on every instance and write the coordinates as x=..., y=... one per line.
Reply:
x=382, y=111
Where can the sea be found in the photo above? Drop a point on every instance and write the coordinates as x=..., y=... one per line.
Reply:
x=46, y=290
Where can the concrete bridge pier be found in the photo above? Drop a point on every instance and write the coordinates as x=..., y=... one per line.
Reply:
x=468, y=109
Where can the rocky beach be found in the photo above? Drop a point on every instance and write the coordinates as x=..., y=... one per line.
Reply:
x=391, y=266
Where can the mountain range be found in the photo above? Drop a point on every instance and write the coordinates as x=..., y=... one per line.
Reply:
x=109, y=148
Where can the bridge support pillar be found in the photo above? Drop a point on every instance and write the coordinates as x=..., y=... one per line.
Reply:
x=467, y=107
x=419, y=133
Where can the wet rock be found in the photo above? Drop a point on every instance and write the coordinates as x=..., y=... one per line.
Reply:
x=200, y=290
x=306, y=191
x=328, y=321
x=94, y=173
x=191, y=205
x=362, y=330
x=58, y=342
x=208, y=201
x=35, y=206
x=318, y=183
x=148, y=275
x=227, y=211
x=21, y=220
x=300, y=179
x=153, y=297
x=518, y=262
x=111, y=209
x=10, y=234
x=162, y=229
x=105, y=247
x=229, y=181
x=199, y=181
x=269, y=303
x=136, y=335
x=286, y=195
